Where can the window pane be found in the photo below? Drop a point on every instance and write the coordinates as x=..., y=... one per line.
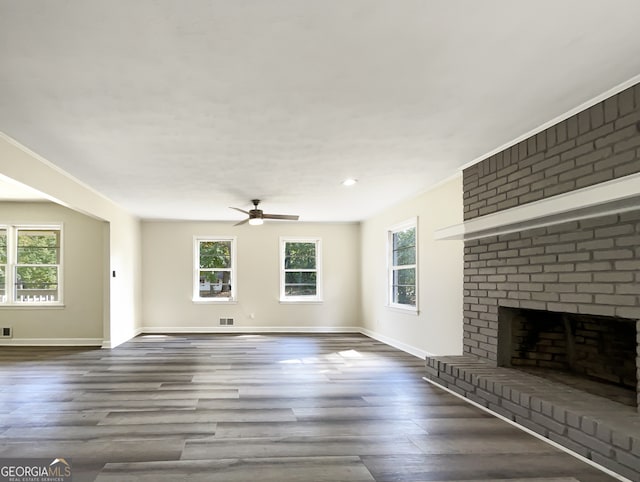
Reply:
x=404, y=256
x=3, y=288
x=215, y=284
x=300, y=256
x=38, y=247
x=3, y=246
x=404, y=295
x=405, y=276
x=404, y=239
x=307, y=277
x=300, y=283
x=215, y=254
x=404, y=286
x=35, y=283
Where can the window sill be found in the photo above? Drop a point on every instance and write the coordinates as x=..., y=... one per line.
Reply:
x=215, y=302
x=33, y=306
x=301, y=302
x=403, y=311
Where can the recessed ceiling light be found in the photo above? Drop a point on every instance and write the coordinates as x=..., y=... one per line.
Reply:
x=349, y=182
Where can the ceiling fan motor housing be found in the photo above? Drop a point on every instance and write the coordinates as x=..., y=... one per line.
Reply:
x=256, y=216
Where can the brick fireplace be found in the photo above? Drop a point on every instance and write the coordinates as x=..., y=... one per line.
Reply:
x=579, y=267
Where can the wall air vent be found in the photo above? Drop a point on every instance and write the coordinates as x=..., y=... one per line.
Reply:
x=7, y=332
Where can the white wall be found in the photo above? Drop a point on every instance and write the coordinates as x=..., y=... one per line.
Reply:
x=437, y=329
x=121, y=313
x=167, y=278
x=80, y=321
x=125, y=289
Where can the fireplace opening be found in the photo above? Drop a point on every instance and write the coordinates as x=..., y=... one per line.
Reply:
x=596, y=354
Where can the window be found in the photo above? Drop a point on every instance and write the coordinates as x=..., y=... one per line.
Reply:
x=214, y=271
x=300, y=269
x=403, y=265
x=3, y=265
x=30, y=265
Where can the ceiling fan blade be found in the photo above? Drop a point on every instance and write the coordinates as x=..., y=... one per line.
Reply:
x=241, y=210
x=281, y=216
x=242, y=222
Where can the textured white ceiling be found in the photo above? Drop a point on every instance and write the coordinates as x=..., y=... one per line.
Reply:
x=180, y=109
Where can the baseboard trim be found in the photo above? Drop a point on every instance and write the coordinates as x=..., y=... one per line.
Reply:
x=411, y=350
x=155, y=330
x=51, y=342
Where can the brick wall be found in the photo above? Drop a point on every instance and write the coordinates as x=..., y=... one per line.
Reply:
x=596, y=145
x=590, y=266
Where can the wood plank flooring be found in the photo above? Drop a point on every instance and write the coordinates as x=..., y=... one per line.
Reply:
x=269, y=407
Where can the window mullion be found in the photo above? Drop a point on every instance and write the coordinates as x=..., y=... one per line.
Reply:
x=12, y=259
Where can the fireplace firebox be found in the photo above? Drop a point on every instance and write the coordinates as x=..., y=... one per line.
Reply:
x=596, y=354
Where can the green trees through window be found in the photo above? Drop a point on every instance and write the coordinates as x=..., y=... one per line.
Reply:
x=30, y=261
x=300, y=273
x=300, y=269
x=215, y=268
x=403, y=286
x=38, y=257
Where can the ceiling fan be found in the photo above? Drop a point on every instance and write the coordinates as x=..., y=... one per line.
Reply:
x=257, y=217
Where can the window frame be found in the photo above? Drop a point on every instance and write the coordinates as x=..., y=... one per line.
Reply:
x=11, y=266
x=318, y=297
x=391, y=268
x=196, y=298
x=4, y=301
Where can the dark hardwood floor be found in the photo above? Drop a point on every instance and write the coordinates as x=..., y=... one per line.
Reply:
x=258, y=407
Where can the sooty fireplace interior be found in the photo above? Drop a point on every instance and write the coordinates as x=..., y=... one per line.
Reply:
x=596, y=354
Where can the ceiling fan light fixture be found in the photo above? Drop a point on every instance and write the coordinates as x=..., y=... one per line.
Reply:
x=349, y=182
x=256, y=216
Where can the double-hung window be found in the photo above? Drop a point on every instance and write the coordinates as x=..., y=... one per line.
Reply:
x=3, y=264
x=403, y=265
x=214, y=277
x=30, y=265
x=300, y=269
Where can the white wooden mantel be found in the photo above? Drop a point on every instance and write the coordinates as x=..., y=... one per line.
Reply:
x=610, y=197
